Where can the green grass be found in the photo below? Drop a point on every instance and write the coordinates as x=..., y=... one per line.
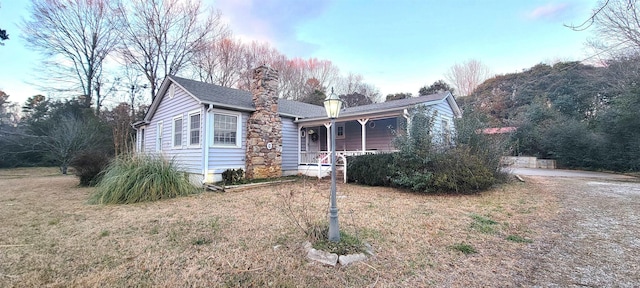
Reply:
x=348, y=244
x=483, y=224
x=464, y=248
x=141, y=179
x=518, y=239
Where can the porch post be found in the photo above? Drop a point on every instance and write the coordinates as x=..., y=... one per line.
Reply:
x=363, y=122
x=306, y=141
x=328, y=133
x=299, y=145
x=407, y=116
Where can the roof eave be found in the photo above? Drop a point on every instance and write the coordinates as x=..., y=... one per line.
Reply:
x=139, y=124
x=357, y=114
x=227, y=106
x=245, y=109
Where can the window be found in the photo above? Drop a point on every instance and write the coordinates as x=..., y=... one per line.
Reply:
x=177, y=131
x=194, y=129
x=340, y=131
x=226, y=129
x=172, y=91
x=446, y=132
x=159, y=136
x=142, y=139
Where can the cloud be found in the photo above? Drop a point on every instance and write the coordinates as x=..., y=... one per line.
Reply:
x=551, y=11
x=274, y=21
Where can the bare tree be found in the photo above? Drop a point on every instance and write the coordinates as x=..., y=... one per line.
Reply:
x=77, y=34
x=230, y=53
x=353, y=87
x=205, y=62
x=162, y=36
x=324, y=71
x=617, y=27
x=296, y=73
x=119, y=119
x=466, y=76
x=256, y=54
x=104, y=88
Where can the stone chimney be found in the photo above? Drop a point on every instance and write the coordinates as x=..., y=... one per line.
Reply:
x=264, y=128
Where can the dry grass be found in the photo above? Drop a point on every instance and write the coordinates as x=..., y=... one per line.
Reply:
x=50, y=236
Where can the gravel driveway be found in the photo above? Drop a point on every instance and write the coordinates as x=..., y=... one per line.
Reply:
x=593, y=241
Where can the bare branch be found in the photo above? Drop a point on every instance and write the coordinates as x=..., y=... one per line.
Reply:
x=80, y=34
x=162, y=36
x=465, y=77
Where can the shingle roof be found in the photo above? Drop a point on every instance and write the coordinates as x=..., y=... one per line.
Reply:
x=235, y=98
x=401, y=103
x=240, y=99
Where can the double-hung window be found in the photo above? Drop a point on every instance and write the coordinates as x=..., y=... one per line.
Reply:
x=194, y=129
x=340, y=132
x=159, y=136
x=226, y=129
x=177, y=131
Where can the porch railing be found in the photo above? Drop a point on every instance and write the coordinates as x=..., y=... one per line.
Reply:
x=313, y=158
x=341, y=161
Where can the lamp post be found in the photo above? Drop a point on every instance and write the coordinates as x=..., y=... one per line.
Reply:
x=333, y=104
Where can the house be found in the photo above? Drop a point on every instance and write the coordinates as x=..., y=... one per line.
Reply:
x=208, y=129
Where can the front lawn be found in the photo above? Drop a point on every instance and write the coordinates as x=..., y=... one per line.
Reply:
x=50, y=236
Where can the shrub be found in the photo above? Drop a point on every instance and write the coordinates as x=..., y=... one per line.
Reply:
x=89, y=166
x=139, y=179
x=233, y=176
x=488, y=149
x=416, y=150
x=460, y=171
x=372, y=169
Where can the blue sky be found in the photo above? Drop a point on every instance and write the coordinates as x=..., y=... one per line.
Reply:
x=398, y=46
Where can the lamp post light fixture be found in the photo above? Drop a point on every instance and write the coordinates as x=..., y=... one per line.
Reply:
x=333, y=104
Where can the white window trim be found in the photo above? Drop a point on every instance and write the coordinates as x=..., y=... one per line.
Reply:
x=173, y=132
x=344, y=130
x=189, y=129
x=141, y=142
x=159, y=136
x=238, y=128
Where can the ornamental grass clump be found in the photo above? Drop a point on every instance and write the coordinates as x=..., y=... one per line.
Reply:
x=137, y=179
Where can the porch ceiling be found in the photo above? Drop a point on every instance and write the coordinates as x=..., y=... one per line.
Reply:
x=352, y=117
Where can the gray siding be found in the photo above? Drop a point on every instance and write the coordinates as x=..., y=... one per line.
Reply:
x=379, y=137
x=442, y=112
x=289, y=145
x=223, y=158
x=188, y=158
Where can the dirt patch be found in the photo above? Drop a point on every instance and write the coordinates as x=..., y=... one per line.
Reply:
x=592, y=242
x=51, y=237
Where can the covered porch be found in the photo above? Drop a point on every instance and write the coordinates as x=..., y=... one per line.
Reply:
x=355, y=135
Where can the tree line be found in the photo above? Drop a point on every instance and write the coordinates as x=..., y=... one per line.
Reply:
x=92, y=48
x=584, y=115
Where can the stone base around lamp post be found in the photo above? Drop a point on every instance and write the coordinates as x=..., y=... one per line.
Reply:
x=332, y=259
